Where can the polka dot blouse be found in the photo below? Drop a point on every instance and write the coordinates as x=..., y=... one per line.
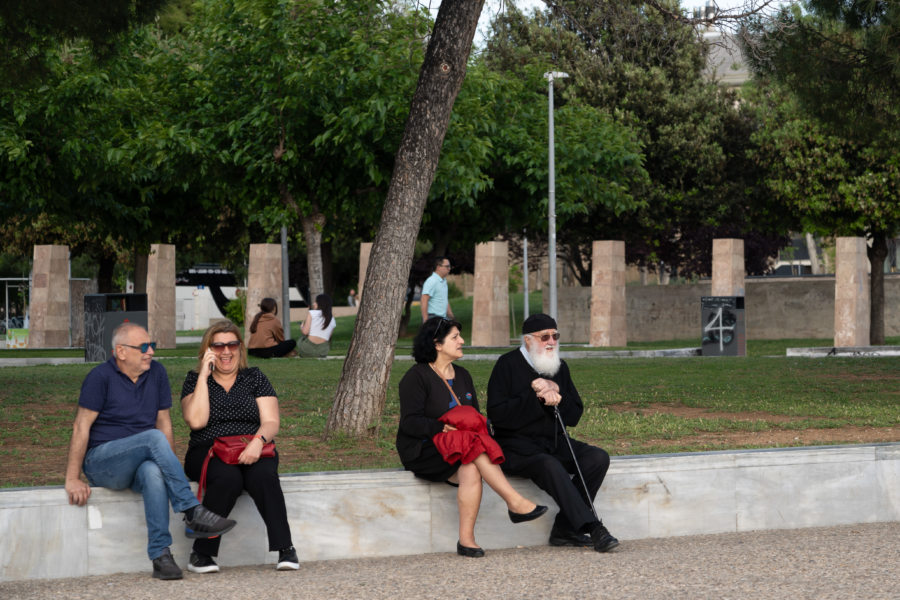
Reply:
x=230, y=413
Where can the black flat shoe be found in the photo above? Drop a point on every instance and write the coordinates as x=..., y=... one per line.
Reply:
x=522, y=517
x=470, y=552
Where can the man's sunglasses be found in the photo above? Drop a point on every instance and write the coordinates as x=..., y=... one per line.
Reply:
x=546, y=337
x=143, y=347
x=219, y=347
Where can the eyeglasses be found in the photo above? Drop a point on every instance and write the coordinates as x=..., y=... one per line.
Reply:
x=447, y=266
x=546, y=337
x=143, y=347
x=219, y=347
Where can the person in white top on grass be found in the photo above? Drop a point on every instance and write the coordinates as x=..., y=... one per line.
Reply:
x=315, y=334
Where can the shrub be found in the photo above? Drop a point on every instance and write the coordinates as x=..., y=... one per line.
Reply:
x=236, y=309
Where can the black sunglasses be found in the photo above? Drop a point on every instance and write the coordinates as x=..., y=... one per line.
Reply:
x=219, y=347
x=143, y=347
x=546, y=337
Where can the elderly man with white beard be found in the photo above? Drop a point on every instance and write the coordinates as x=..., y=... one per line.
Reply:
x=525, y=387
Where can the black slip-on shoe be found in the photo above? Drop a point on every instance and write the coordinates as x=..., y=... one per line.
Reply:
x=469, y=552
x=538, y=511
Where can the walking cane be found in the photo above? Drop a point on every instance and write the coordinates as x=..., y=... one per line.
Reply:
x=587, y=493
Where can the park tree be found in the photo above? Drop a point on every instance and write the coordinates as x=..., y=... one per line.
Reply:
x=360, y=395
x=89, y=157
x=834, y=70
x=302, y=105
x=30, y=31
x=492, y=177
x=645, y=69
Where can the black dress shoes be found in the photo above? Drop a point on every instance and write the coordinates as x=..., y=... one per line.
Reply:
x=469, y=552
x=562, y=537
x=602, y=538
x=531, y=516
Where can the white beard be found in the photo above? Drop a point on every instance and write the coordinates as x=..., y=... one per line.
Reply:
x=544, y=363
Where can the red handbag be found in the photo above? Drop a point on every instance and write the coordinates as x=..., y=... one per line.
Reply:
x=228, y=449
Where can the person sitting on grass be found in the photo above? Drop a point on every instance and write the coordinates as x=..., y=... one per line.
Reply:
x=122, y=438
x=267, y=334
x=315, y=338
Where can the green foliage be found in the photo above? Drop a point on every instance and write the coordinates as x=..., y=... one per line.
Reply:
x=30, y=29
x=644, y=72
x=829, y=100
x=236, y=309
x=453, y=290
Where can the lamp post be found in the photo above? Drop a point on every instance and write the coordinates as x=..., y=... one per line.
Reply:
x=551, y=195
x=285, y=291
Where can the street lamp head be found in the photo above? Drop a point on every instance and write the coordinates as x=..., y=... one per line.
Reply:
x=551, y=75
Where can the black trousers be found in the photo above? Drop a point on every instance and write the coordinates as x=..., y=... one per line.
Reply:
x=555, y=473
x=278, y=350
x=224, y=485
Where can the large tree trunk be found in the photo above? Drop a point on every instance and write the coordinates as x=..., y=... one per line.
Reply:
x=312, y=232
x=359, y=399
x=877, y=254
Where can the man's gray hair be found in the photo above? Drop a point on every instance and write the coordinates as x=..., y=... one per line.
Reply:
x=121, y=332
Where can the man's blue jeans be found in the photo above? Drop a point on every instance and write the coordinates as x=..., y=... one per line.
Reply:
x=145, y=463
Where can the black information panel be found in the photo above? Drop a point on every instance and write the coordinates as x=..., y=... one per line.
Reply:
x=724, y=326
x=105, y=312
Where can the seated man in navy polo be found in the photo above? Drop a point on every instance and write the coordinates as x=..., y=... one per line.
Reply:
x=122, y=438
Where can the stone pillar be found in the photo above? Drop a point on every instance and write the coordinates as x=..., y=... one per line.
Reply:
x=49, y=305
x=608, y=326
x=160, y=285
x=852, y=304
x=365, y=250
x=728, y=268
x=490, y=303
x=263, y=279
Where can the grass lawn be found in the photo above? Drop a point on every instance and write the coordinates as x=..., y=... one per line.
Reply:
x=633, y=406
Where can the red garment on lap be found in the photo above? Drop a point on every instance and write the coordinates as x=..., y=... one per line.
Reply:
x=470, y=439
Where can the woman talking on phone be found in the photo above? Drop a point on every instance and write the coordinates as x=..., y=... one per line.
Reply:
x=221, y=397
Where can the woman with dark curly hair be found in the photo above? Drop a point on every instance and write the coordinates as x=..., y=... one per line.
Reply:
x=442, y=435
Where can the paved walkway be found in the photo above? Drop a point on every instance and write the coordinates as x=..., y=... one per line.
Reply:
x=858, y=561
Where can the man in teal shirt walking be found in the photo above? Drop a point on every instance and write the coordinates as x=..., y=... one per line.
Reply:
x=435, y=301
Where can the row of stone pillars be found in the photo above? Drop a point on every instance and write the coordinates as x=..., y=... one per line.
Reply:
x=50, y=301
x=608, y=324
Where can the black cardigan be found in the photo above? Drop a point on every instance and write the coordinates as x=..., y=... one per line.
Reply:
x=423, y=398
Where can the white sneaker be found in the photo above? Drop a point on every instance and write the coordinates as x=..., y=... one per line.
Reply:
x=287, y=560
